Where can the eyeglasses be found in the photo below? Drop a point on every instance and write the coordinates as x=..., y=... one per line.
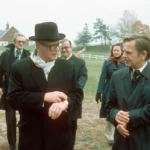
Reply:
x=66, y=47
x=51, y=47
x=20, y=42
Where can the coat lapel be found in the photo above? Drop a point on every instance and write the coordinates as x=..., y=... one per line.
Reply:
x=133, y=98
x=72, y=58
x=11, y=58
x=127, y=83
x=25, y=54
x=146, y=71
x=54, y=70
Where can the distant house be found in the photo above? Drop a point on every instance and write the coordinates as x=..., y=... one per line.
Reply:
x=7, y=35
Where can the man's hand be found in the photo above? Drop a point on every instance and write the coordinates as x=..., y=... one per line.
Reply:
x=122, y=130
x=56, y=109
x=122, y=117
x=98, y=97
x=54, y=97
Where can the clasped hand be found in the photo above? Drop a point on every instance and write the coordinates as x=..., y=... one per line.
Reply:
x=58, y=105
x=122, y=118
x=56, y=109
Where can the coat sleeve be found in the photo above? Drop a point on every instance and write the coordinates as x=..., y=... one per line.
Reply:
x=112, y=106
x=75, y=97
x=103, y=78
x=83, y=76
x=140, y=116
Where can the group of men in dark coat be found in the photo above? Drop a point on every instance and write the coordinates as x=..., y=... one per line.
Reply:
x=46, y=90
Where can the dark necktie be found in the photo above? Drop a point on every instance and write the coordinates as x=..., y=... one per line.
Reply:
x=17, y=54
x=136, y=75
x=135, y=78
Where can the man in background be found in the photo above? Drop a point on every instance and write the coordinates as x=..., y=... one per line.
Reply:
x=15, y=51
x=81, y=74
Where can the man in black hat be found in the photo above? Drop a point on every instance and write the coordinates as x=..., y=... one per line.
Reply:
x=43, y=89
x=15, y=51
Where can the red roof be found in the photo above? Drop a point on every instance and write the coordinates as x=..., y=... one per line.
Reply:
x=8, y=35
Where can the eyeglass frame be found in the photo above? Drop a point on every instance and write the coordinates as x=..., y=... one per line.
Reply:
x=50, y=47
x=21, y=42
x=66, y=47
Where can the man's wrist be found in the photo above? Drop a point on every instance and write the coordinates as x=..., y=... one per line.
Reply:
x=66, y=101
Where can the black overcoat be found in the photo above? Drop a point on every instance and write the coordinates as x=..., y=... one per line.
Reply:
x=26, y=93
x=81, y=75
x=6, y=59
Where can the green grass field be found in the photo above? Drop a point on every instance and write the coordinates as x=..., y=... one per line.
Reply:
x=94, y=70
x=90, y=133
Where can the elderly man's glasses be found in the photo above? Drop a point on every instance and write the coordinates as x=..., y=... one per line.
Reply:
x=66, y=47
x=51, y=47
x=20, y=42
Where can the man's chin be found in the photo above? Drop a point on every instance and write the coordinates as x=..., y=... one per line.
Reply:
x=127, y=64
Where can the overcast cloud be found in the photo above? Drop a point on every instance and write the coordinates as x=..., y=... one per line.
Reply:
x=70, y=15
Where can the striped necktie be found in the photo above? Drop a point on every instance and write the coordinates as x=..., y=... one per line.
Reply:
x=18, y=52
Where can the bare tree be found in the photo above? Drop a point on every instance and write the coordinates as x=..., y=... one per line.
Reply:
x=124, y=26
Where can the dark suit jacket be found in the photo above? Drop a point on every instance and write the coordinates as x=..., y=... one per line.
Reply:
x=82, y=76
x=138, y=105
x=6, y=59
x=81, y=70
x=26, y=93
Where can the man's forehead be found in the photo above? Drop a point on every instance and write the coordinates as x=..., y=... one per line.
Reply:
x=20, y=37
x=51, y=42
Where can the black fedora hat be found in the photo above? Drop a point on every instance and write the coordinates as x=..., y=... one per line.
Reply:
x=47, y=31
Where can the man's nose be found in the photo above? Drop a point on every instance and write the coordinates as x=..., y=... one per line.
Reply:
x=124, y=54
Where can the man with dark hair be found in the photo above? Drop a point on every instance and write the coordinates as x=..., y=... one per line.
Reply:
x=81, y=74
x=43, y=89
x=15, y=51
x=129, y=101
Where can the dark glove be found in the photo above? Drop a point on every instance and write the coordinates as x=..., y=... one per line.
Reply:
x=98, y=97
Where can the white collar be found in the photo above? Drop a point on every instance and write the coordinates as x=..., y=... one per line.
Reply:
x=68, y=57
x=142, y=68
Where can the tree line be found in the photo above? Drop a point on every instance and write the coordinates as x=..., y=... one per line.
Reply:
x=104, y=34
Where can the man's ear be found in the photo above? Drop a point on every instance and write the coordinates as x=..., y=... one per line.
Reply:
x=144, y=55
